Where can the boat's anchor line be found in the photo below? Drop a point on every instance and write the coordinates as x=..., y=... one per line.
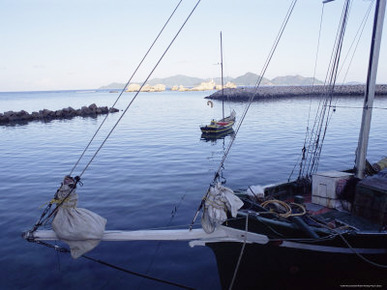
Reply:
x=64, y=250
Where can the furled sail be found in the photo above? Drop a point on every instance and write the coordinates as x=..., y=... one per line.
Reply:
x=80, y=228
x=219, y=201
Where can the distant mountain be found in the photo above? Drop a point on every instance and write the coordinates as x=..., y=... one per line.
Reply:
x=112, y=86
x=248, y=79
x=295, y=81
x=177, y=80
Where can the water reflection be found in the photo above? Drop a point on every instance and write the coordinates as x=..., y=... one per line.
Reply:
x=213, y=137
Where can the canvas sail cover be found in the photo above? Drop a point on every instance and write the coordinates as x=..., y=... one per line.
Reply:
x=219, y=201
x=80, y=228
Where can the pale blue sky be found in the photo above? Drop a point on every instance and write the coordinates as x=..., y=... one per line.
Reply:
x=85, y=44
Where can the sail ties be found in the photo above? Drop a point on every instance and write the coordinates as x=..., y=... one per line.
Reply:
x=47, y=214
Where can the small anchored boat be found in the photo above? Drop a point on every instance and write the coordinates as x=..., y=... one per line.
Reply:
x=222, y=127
x=219, y=127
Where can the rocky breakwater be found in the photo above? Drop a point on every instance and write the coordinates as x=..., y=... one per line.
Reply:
x=274, y=92
x=48, y=115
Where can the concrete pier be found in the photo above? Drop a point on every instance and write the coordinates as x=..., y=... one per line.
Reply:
x=274, y=92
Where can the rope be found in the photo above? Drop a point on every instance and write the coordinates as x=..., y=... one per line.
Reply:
x=143, y=84
x=250, y=101
x=311, y=154
x=42, y=219
x=156, y=251
x=337, y=233
x=360, y=255
x=64, y=250
x=124, y=88
x=359, y=32
x=301, y=159
x=47, y=209
x=287, y=207
x=241, y=253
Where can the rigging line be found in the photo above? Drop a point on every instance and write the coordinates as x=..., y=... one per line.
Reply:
x=322, y=115
x=143, y=84
x=282, y=29
x=360, y=33
x=333, y=82
x=308, y=132
x=361, y=256
x=44, y=219
x=124, y=88
x=318, y=44
x=41, y=220
x=302, y=156
x=241, y=253
x=65, y=250
x=156, y=251
x=251, y=98
x=276, y=41
x=327, y=82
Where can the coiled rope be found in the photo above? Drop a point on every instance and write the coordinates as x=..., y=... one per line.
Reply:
x=287, y=207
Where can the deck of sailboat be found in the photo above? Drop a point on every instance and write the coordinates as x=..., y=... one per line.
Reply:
x=346, y=218
x=324, y=214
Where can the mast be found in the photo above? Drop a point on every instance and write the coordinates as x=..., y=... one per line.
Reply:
x=221, y=72
x=361, y=151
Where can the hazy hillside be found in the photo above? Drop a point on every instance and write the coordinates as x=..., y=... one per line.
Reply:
x=295, y=81
x=177, y=80
x=248, y=79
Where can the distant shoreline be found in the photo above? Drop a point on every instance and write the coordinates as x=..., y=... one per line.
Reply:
x=274, y=92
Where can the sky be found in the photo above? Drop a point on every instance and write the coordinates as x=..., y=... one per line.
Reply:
x=86, y=44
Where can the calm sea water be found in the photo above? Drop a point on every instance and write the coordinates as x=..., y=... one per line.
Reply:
x=153, y=163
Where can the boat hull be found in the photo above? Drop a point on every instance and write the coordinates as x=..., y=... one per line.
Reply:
x=276, y=266
x=213, y=130
x=223, y=126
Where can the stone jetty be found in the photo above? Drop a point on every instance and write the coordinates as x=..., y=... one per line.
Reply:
x=275, y=92
x=48, y=115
